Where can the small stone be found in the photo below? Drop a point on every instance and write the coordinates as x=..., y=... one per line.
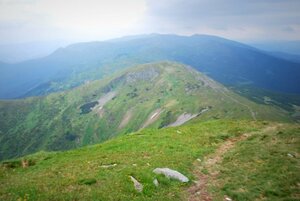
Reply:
x=290, y=155
x=228, y=199
x=198, y=159
x=155, y=182
x=25, y=163
x=171, y=174
x=109, y=165
x=137, y=185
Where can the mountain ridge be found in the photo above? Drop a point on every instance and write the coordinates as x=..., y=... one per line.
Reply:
x=150, y=95
x=226, y=61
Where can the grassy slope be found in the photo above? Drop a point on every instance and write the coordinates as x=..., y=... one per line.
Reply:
x=57, y=176
x=264, y=167
x=54, y=122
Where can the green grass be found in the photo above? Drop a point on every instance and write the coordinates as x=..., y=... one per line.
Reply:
x=59, y=175
x=88, y=181
x=261, y=168
x=257, y=168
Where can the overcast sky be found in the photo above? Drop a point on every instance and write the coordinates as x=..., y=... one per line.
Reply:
x=86, y=20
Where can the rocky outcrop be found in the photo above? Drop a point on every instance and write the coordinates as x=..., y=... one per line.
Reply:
x=146, y=74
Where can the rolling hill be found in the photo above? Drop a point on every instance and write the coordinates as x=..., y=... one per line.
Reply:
x=252, y=160
x=152, y=95
x=226, y=61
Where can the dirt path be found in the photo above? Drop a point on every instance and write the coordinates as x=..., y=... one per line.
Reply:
x=199, y=191
x=253, y=114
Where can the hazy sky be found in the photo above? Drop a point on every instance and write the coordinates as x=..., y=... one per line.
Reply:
x=86, y=20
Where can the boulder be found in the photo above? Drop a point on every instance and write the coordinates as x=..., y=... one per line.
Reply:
x=173, y=174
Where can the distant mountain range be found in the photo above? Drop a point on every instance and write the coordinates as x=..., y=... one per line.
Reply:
x=226, y=61
x=288, y=47
x=286, y=56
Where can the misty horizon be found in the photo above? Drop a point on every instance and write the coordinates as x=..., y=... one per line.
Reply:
x=24, y=21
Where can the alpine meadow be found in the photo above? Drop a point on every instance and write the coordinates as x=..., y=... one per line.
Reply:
x=146, y=100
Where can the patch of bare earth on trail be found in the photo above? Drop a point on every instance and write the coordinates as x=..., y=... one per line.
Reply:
x=199, y=191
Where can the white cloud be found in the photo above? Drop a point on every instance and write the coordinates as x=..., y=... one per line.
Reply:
x=85, y=20
x=72, y=19
x=234, y=19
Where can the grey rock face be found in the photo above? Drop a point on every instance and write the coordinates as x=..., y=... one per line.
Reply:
x=145, y=75
x=182, y=119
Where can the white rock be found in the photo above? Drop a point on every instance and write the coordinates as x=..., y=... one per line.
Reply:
x=171, y=174
x=109, y=165
x=228, y=199
x=198, y=159
x=155, y=182
x=137, y=185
